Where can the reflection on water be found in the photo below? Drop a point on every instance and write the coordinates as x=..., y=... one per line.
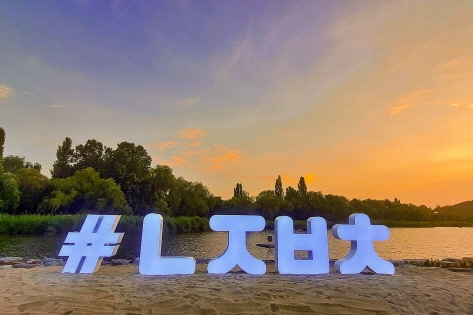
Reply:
x=436, y=243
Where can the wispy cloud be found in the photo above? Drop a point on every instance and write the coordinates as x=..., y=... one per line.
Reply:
x=187, y=101
x=401, y=105
x=219, y=157
x=6, y=91
x=57, y=106
x=165, y=144
x=191, y=134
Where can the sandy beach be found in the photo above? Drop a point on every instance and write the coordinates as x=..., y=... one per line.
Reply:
x=122, y=290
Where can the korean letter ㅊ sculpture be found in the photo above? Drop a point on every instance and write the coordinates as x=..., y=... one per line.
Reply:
x=362, y=254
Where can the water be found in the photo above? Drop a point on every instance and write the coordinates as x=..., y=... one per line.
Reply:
x=435, y=243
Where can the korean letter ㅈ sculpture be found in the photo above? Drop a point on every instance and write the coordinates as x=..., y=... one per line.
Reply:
x=236, y=252
x=362, y=254
x=151, y=262
x=315, y=241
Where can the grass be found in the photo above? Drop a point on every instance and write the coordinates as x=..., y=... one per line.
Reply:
x=62, y=224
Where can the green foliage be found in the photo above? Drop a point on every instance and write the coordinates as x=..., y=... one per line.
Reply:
x=9, y=192
x=301, y=186
x=268, y=205
x=62, y=167
x=459, y=212
x=33, y=188
x=238, y=190
x=186, y=224
x=37, y=224
x=89, y=154
x=13, y=163
x=86, y=192
x=129, y=166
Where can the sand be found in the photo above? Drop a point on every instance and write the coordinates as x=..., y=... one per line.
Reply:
x=122, y=290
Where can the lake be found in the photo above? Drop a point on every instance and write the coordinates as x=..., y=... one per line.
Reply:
x=404, y=243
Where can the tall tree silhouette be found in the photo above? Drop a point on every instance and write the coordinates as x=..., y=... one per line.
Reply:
x=301, y=186
x=278, y=190
x=62, y=167
x=2, y=141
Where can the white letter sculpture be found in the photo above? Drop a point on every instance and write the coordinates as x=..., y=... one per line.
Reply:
x=236, y=252
x=87, y=248
x=362, y=254
x=151, y=262
x=315, y=241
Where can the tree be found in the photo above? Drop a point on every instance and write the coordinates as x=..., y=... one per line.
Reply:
x=33, y=188
x=62, y=167
x=2, y=141
x=162, y=182
x=267, y=205
x=9, y=192
x=129, y=166
x=13, y=163
x=302, y=187
x=195, y=199
x=278, y=190
x=89, y=154
x=238, y=190
x=86, y=192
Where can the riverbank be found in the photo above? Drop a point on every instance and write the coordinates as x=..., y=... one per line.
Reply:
x=62, y=224
x=121, y=290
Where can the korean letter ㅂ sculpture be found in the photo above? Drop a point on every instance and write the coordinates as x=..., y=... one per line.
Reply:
x=362, y=254
x=315, y=241
x=151, y=262
x=236, y=252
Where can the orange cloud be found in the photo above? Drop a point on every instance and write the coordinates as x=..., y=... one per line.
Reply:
x=221, y=157
x=191, y=134
x=162, y=145
x=401, y=105
x=195, y=143
x=6, y=91
x=175, y=161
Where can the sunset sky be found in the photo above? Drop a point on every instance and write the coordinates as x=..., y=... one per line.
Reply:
x=365, y=99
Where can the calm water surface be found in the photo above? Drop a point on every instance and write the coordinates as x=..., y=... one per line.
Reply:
x=436, y=243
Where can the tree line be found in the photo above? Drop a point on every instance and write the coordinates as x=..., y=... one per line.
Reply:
x=93, y=178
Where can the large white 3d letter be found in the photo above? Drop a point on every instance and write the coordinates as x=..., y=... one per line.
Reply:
x=315, y=242
x=236, y=252
x=95, y=240
x=362, y=254
x=151, y=262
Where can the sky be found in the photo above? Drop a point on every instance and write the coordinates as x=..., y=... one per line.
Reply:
x=365, y=99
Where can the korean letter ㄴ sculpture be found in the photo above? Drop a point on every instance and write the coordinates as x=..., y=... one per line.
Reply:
x=314, y=241
x=362, y=254
x=236, y=252
x=151, y=262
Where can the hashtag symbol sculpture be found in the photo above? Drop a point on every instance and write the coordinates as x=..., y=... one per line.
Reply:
x=95, y=240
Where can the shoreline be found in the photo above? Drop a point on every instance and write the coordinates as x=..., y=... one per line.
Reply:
x=122, y=290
